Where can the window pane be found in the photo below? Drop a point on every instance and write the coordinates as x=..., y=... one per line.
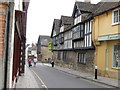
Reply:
x=81, y=27
x=115, y=16
x=90, y=40
x=82, y=34
x=119, y=15
x=116, y=60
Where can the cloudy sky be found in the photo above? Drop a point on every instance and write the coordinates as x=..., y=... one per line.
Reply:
x=41, y=14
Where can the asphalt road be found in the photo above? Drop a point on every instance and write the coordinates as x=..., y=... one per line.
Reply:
x=49, y=77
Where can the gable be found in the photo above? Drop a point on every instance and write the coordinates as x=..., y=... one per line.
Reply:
x=76, y=11
x=54, y=32
x=55, y=28
x=82, y=7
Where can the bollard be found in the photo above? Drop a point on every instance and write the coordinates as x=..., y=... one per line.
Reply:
x=96, y=72
x=52, y=63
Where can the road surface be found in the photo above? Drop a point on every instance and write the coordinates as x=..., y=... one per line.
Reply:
x=49, y=77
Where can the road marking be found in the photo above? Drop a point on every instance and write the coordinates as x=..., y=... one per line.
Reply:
x=40, y=79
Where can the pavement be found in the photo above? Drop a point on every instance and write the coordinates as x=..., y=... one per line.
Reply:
x=28, y=79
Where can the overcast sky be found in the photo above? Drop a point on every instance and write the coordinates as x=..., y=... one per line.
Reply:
x=41, y=14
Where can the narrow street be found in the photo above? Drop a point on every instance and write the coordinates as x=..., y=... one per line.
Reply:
x=49, y=77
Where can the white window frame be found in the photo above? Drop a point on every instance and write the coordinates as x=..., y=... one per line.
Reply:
x=77, y=20
x=62, y=28
x=114, y=23
x=113, y=57
x=90, y=42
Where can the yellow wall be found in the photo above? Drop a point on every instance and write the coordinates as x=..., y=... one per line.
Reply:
x=102, y=25
x=101, y=55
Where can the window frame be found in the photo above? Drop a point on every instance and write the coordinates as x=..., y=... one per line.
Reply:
x=77, y=19
x=55, y=40
x=114, y=23
x=82, y=55
x=77, y=30
x=61, y=38
x=113, y=60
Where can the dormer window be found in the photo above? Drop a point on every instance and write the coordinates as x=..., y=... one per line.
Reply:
x=77, y=16
x=62, y=28
x=77, y=20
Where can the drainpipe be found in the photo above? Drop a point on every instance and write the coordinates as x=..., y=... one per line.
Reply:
x=7, y=46
x=106, y=56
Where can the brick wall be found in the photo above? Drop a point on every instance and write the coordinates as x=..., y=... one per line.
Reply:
x=2, y=34
x=2, y=27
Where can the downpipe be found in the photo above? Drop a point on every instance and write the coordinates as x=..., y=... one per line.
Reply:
x=7, y=46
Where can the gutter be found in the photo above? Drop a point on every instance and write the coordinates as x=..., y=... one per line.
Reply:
x=106, y=56
x=7, y=45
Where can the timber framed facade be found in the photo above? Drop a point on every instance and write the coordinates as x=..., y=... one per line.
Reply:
x=81, y=45
x=73, y=45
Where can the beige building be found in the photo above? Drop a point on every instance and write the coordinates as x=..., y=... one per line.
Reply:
x=43, y=52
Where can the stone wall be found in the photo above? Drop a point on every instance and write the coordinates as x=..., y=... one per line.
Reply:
x=45, y=53
x=89, y=65
x=72, y=63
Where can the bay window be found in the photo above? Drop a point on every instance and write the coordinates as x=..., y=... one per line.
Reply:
x=78, y=32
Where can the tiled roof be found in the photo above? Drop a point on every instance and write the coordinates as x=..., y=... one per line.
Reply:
x=85, y=6
x=88, y=11
x=44, y=40
x=101, y=7
x=67, y=21
x=96, y=9
x=56, y=26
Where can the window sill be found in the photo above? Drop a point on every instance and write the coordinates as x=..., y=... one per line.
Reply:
x=115, y=23
x=115, y=67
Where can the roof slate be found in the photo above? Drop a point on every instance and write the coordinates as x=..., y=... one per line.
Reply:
x=56, y=26
x=67, y=21
x=101, y=7
x=88, y=11
x=95, y=9
x=44, y=40
x=85, y=6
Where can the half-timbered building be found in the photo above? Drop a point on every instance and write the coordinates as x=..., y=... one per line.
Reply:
x=73, y=42
x=82, y=35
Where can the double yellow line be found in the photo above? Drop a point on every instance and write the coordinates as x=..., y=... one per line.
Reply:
x=40, y=79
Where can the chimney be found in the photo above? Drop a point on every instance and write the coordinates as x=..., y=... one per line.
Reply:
x=89, y=1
